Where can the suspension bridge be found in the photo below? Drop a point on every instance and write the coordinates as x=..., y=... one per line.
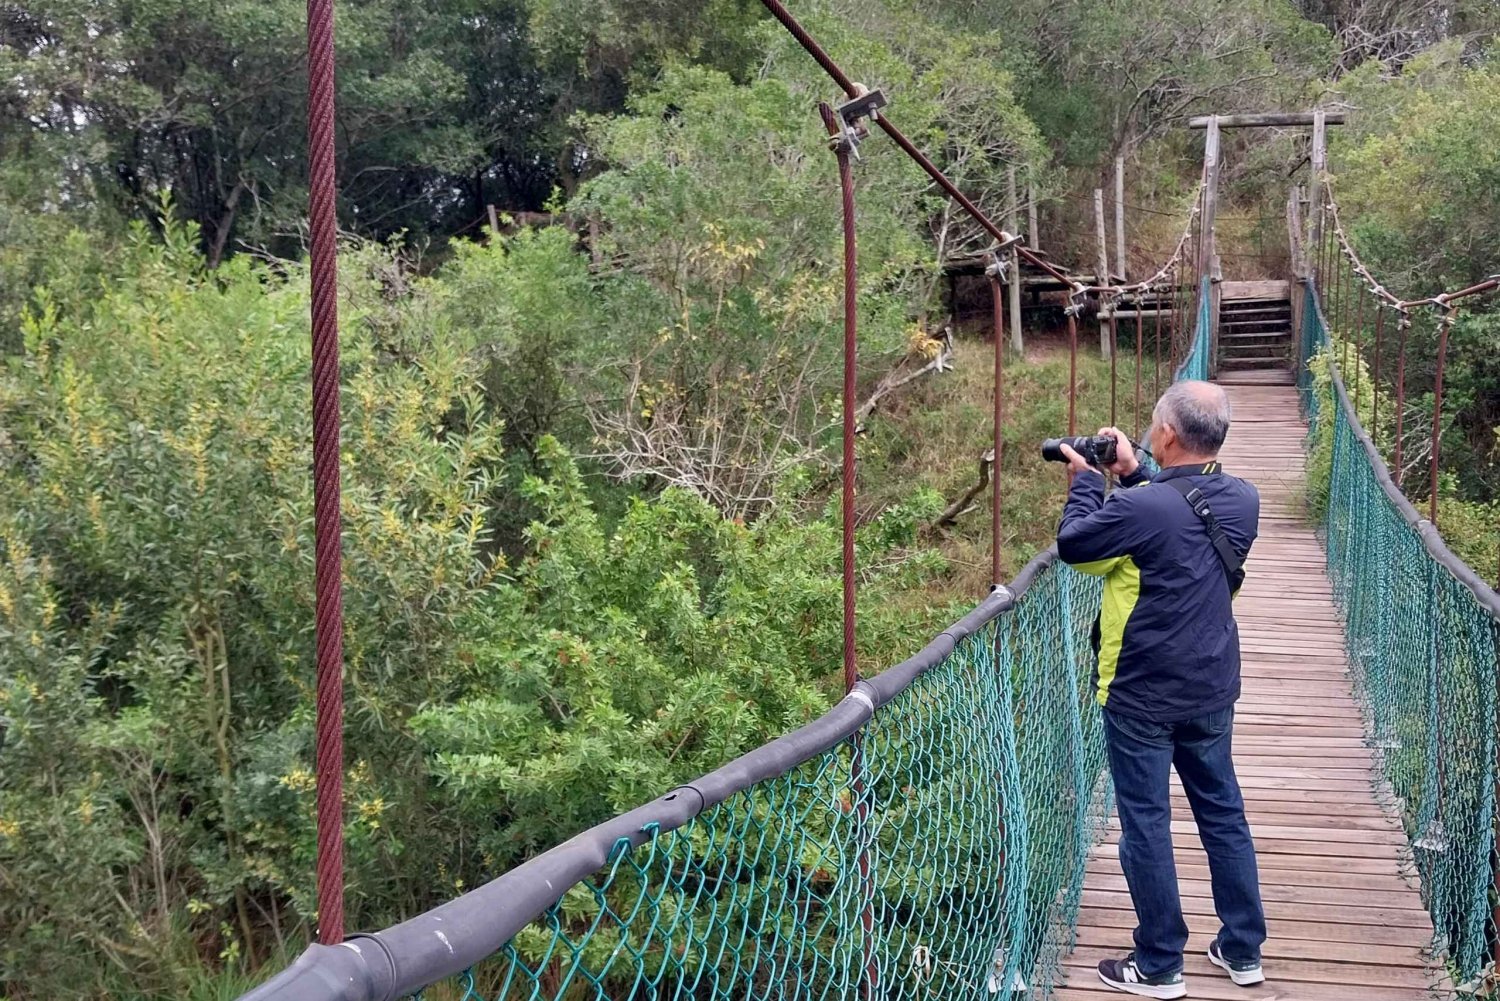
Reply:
x=945, y=830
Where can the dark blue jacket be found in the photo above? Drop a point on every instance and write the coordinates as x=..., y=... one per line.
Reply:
x=1168, y=645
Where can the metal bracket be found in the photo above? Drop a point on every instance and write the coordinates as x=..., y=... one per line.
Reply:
x=851, y=115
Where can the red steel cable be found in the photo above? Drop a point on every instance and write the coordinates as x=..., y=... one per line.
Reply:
x=996, y=297
x=323, y=231
x=1444, y=326
x=1359, y=335
x=1072, y=372
x=1140, y=325
x=1375, y=379
x=1114, y=372
x=842, y=151
x=851, y=328
x=1402, y=325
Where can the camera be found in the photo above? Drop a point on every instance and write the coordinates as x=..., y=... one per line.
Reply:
x=1097, y=450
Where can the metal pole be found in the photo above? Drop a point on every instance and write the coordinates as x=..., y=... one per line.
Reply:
x=327, y=522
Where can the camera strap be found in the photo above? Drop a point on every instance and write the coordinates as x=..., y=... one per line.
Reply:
x=1234, y=566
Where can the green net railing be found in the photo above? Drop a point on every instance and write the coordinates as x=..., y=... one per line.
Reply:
x=1195, y=363
x=1422, y=633
x=935, y=851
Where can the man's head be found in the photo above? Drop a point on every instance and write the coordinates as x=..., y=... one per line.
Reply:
x=1189, y=423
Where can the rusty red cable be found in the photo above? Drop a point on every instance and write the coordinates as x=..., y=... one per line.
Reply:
x=820, y=55
x=842, y=151
x=1375, y=379
x=996, y=537
x=1072, y=371
x=1402, y=325
x=1140, y=332
x=323, y=230
x=1445, y=325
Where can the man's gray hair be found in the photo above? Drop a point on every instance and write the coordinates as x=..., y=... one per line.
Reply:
x=1198, y=412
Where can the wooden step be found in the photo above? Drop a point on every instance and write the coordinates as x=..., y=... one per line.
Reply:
x=1256, y=361
x=1255, y=306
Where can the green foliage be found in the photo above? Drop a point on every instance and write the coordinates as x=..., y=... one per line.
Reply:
x=1417, y=182
x=155, y=604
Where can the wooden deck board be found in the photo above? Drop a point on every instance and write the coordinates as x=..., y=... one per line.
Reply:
x=1345, y=913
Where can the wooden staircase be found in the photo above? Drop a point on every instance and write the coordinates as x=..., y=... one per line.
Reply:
x=1255, y=327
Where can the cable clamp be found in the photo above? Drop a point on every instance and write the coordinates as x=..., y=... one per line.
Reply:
x=851, y=115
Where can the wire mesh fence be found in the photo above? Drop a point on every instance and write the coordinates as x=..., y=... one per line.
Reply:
x=1422, y=634
x=935, y=851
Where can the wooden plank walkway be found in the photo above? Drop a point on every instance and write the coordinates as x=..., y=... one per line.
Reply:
x=1345, y=917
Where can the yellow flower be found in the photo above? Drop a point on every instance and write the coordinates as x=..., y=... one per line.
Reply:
x=298, y=780
x=9, y=828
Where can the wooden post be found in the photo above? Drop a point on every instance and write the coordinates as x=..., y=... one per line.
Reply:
x=1262, y=121
x=1294, y=230
x=1120, y=216
x=1315, y=186
x=494, y=219
x=1015, y=268
x=1103, y=267
x=1033, y=238
x=1207, y=252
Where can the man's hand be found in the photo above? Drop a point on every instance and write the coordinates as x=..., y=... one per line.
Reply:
x=1125, y=461
x=1075, y=461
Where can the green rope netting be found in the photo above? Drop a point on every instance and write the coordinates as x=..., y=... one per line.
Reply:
x=1195, y=364
x=1422, y=657
x=938, y=853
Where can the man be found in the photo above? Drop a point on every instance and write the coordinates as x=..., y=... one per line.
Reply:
x=1168, y=676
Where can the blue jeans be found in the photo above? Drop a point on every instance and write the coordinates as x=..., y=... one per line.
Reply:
x=1141, y=756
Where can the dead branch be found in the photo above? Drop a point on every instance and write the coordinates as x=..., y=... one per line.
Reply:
x=965, y=502
x=896, y=378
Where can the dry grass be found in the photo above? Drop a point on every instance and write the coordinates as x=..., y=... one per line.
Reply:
x=935, y=433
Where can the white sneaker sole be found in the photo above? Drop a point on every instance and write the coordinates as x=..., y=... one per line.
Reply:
x=1244, y=978
x=1166, y=992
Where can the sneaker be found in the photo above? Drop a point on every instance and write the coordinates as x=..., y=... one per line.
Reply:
x=1122, y=975
x=1244, y=974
